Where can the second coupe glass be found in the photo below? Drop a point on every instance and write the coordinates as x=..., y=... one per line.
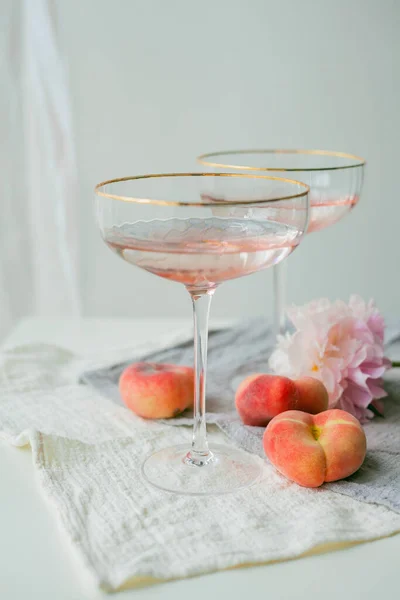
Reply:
x=335, y=181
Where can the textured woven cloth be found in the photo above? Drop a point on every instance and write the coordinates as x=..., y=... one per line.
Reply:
x=88, y=452
x=237, y=352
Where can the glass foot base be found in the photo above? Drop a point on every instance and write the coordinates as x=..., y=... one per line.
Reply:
x=224, y=470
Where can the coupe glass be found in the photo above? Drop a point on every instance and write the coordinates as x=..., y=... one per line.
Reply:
x=201, y=229
x=335, y=180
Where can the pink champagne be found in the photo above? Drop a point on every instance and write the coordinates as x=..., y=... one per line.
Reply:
x=324, y=213
x=201, y=253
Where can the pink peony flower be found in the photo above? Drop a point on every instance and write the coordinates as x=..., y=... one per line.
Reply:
x=341, y=345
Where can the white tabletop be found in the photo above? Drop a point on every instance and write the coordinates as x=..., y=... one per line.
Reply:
x=36, y=565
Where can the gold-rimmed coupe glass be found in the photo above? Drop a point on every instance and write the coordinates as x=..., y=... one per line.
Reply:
x=201, y=229
x=335, y=180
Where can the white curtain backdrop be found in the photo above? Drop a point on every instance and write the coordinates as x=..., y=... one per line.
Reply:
x=38, y=199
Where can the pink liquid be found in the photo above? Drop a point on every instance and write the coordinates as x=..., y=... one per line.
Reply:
x=324, y=213
x=325, y=210
x=202, y=253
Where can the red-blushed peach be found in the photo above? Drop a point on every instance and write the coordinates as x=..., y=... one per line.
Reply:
x=260, y=397
x=313, y=395
x=311, y=449
x=157, y=391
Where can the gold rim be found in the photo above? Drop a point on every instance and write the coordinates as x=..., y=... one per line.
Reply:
x=141, y=200
x=203, y=159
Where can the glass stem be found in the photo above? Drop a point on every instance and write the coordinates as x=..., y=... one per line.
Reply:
x=201, y=309
x=280, y=272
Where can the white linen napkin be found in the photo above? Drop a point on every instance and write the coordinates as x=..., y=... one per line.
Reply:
x=88, y=453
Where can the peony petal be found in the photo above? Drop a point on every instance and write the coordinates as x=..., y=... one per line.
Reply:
x=345, y=404
x=362, y=414
x=357, y=396
x=373, y=372
x=387, y=362
x=359, y=378
x=376, y=323
x=376, y=390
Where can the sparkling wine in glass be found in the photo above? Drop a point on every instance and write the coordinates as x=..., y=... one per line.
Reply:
x=335, y=180
x=201, y=229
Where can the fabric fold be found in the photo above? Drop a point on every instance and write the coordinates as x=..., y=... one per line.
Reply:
x=88, y=451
